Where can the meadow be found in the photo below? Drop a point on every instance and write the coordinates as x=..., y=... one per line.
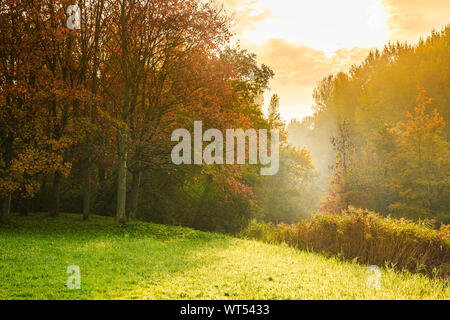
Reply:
x=149, y=261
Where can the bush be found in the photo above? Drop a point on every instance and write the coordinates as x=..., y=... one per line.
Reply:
x=368, y=238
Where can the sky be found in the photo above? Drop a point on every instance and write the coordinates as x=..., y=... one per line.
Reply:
x=304, y=41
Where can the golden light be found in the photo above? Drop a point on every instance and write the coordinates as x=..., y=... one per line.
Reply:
x=321, y=24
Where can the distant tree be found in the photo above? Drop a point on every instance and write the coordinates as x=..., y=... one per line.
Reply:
x=419, y=168
x=322, y=94
x=292, y=194
x=342, y=185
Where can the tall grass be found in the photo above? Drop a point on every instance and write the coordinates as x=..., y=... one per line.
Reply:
x=368, y=238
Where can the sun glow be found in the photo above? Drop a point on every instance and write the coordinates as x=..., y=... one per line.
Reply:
x=326, y=25
x=304, y=41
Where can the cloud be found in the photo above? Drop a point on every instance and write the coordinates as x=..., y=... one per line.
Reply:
x=302, y=64
x=298, y=68
x=410, y=19
x=247, y=13
x=300, y=45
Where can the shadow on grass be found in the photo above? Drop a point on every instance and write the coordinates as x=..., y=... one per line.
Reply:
x=114, y=260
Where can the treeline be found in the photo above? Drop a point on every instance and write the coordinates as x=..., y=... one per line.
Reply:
x=86, y=115
x=388, y=120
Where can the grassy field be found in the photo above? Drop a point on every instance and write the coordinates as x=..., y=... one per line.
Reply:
x=148, y=261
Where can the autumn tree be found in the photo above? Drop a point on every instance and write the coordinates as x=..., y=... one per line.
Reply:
x=274, y=117
x=90, y=38
x=148, y=41
x=35, y=96
x=374, y=97
x=342, y=184
x=15, y=78
x=418, y=169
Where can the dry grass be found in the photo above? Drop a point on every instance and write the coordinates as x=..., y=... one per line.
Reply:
x=367, y=238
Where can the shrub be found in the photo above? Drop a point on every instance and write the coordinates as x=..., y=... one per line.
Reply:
x=368, y=238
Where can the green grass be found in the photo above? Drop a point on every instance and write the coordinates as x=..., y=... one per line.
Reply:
x=148, y=261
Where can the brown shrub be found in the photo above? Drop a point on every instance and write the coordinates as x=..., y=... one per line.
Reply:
x=365, y=236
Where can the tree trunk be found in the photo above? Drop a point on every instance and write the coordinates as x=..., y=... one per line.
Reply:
x=101, y=175
x=122, y=181
x=87, y=182
x=24, y=207
x=56, y=191
x=197, y=221
x=87, y=191
x=134, y=194
x=6, y=206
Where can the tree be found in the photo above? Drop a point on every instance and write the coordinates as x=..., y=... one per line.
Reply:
x=148, y=41
x=34, y=96
x=274, y=116
x=292, y=194
x=419, y=166
x=90, y=39
x=343, y=180
x=322, y=94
